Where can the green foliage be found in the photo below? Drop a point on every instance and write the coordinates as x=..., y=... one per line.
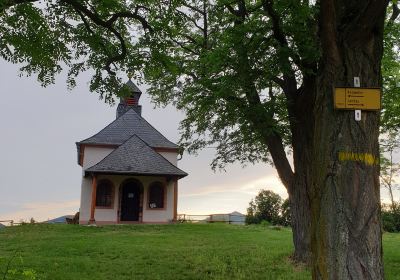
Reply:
x=286, y=218
x=219, y=66
x=21, y=274
x=390, y=168
x=16, y=270
x=265, y=223
x=391, y=217
x=47, y=37
x=267, y=207
x=391, y=76
x=218, y=61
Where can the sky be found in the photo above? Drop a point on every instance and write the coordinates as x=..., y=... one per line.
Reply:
x=39, y=174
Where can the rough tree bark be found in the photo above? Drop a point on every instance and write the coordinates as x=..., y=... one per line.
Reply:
x=301, y=129
x=301, y=218
x=344, y=190
x=296, y=185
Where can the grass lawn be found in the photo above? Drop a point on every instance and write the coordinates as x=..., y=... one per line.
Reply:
x=181, y=251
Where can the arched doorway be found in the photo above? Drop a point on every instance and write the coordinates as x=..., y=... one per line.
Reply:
x=131, y=196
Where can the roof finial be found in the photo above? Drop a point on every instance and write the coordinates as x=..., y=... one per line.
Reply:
x=130, y=75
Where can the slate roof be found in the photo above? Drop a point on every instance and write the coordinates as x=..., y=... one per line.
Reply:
x=131, y=85
x=125, y=127
x=136, y=157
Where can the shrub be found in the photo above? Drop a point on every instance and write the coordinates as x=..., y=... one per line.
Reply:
x=266, y=206
x=265, y=223
x=286, y=217
x=391, y=218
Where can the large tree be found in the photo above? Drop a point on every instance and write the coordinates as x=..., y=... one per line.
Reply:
x=256, y=78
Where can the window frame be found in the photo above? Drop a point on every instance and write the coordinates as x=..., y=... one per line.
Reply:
x=111, y=206
x=164, y=188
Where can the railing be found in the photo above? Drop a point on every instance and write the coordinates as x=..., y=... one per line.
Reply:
x=212, y=218
x=22, y=222
x=8, y=222
x=13, y=223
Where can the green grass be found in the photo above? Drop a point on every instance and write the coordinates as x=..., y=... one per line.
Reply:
x=391, y=255
x=181, y=251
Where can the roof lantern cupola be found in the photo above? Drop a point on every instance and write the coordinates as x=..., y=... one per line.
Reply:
x=130, y=102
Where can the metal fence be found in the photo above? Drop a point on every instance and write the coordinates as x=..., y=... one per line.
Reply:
x=7, y=222
x=13, y=223
x=213, y=218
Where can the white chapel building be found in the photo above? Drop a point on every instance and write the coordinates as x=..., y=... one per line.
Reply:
x=130, y=172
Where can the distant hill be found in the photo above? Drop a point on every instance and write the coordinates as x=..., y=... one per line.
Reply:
x=60, y=220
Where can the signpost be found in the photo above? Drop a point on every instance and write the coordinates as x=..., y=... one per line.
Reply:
x=357, y=98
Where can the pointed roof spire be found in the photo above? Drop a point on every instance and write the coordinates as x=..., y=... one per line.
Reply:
x=132, y=87
x=132, y=101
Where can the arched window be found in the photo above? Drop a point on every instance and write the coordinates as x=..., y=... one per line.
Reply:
x=104, y=194
x=156, y=195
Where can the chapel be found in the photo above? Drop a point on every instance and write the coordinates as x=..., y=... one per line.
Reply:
x=129, y=170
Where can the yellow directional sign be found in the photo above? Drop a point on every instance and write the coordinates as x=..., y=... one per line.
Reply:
x=357, y=98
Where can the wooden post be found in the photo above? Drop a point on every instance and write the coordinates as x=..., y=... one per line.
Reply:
x=175, y=199
x=93, y=205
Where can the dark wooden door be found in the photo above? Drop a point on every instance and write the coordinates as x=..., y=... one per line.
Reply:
x=130, y=202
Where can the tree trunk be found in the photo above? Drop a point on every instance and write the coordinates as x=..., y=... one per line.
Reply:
x=296, y=184
x=301, y=219
x=345, y=198
x=301, y=130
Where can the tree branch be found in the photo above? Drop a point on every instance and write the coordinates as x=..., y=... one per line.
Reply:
x=395, y=13
x=193, y=8
x=183, y=46
x=278, y=33
x=96, y=19
x=262, y=120
x=232, y=10
x=279, y=82
x=277, y=151
x=190, y=19
x=191, y=39
x=130, y=15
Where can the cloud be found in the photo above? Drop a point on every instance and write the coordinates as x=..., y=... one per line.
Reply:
x=270, y=182
x=42, y=211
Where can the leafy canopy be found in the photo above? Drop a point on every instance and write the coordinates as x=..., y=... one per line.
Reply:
x=228, y=64
x=97, y=36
